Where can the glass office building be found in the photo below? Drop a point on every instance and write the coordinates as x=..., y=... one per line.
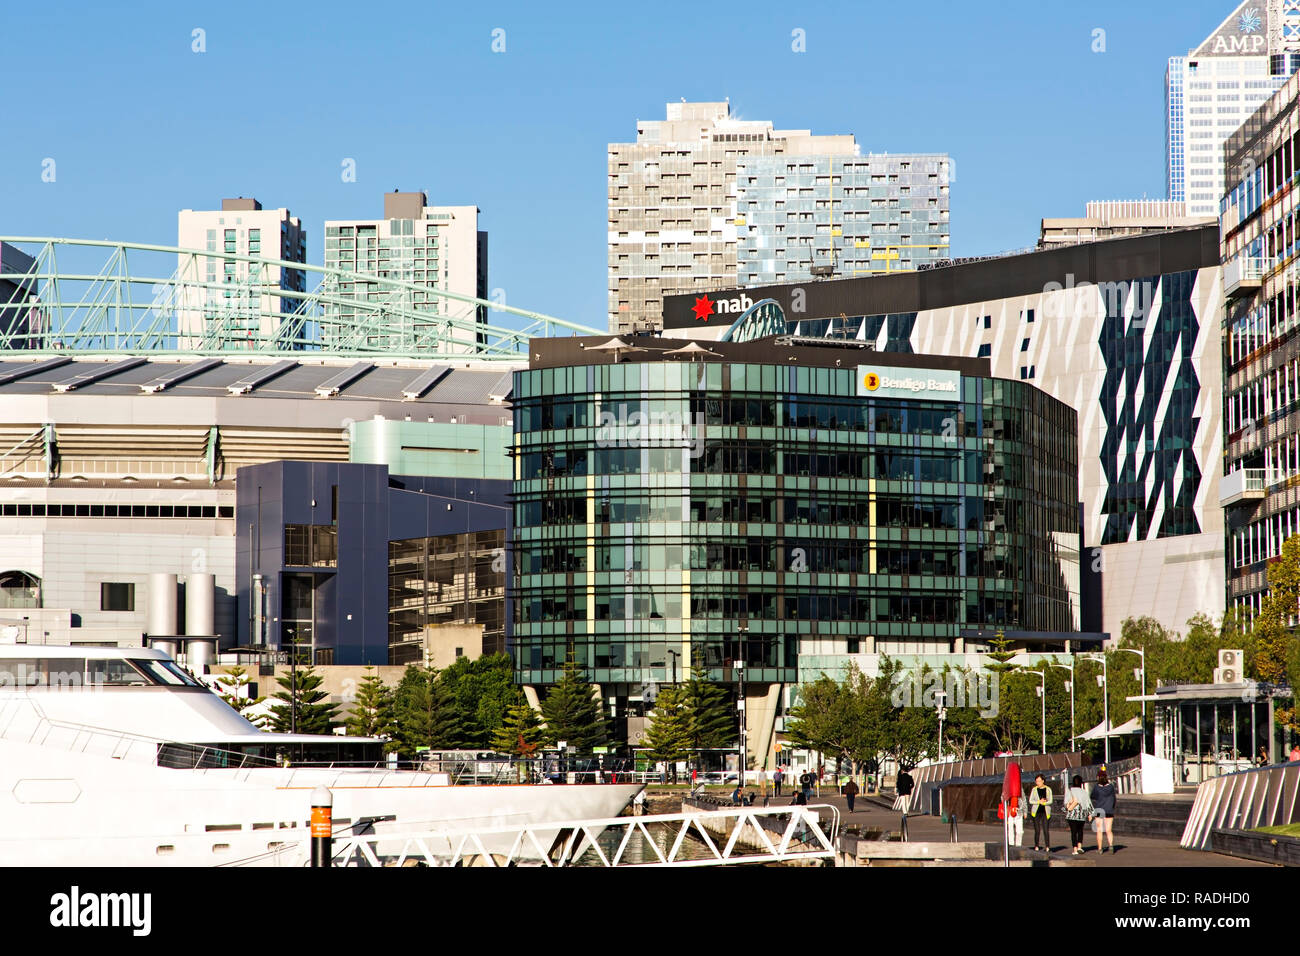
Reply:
x=778, y=497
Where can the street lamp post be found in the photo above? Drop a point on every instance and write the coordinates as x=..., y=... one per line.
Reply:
x=743, y=630
x=942, y=698
x=1105, y=698
x=675, y=655
x=1070, y=687
x=1042, y=693
x=1143, y=678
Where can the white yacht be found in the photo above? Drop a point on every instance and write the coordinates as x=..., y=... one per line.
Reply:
x=118, y=757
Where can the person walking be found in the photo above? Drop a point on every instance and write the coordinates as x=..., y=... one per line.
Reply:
x=1262, y=760
x=777, y=779
x=1295, y=753
x=1040, y=808
x=1078, y=811
x=903, y=786
x=805, y=786
x=850, y=790
x=1103, y=810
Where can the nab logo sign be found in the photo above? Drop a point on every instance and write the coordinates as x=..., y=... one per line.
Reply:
x=705, y=307
x=871, y=381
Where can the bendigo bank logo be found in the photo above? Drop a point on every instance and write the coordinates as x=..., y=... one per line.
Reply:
x=871, y=381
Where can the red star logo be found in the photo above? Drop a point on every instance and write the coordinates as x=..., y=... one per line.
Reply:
x=703, y=308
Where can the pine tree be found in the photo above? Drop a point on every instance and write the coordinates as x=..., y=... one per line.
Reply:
x=573, y=714
x=713, y=721
x=314, y=714
x=668, y=737
x=1001, y=653
x=424, y=714
x=372, y=710
x=235, y=690
x=521, y=734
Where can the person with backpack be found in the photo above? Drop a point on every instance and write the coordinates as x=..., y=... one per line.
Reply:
x=1103, y=803
x=1078, y=811
x=904, y=785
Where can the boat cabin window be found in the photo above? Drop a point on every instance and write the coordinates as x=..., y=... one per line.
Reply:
x=36, y=672
x=231, y=754
x=104, y=672
x=165, y=672
x=114, y=673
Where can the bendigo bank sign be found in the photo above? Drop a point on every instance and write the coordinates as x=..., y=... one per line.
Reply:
x=933, y=385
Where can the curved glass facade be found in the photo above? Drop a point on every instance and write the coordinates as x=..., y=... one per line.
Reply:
x=665, y=510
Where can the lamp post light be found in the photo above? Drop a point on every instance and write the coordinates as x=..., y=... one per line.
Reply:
x=942, y=698
x=1105, y=697
x=1069, y=685
x=1042, y=693
x=1141, y=674
x=675, y=655
x=743, y=631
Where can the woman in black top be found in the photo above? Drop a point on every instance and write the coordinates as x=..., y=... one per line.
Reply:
x=1103, y=803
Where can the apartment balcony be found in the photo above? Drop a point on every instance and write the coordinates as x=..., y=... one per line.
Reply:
x=1244, y=485
x=1244, y=275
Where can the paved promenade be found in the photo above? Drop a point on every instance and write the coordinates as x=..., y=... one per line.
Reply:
x=1132, y=850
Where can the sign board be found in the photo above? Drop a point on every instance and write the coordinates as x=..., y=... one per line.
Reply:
x=919, y=383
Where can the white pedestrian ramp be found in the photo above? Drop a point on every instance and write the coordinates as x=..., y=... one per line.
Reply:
x=727, y=837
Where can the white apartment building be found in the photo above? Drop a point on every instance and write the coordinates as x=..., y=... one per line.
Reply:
x=1216, y=87
x=434, y=247
x=672, y=203
x=225, y=298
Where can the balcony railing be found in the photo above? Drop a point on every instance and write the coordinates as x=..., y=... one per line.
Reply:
x=1245, y=273
x=1246, y=484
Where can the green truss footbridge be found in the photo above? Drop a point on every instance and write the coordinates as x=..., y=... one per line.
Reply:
x=69, y=296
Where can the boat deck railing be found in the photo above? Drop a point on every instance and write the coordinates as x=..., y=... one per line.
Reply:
x=23, y=720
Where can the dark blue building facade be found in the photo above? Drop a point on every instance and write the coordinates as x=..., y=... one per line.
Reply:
x=352, y=564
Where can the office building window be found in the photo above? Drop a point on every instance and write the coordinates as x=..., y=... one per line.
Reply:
x=115, y=596
x=314, y=546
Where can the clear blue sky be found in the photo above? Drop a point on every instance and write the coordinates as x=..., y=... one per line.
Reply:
x=140, y=126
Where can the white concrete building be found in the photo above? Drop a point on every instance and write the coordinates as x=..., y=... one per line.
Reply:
x=434, y=247
x=224, y=292
x=672, y=203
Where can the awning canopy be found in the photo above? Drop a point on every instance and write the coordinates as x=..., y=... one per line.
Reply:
x=1133, y=726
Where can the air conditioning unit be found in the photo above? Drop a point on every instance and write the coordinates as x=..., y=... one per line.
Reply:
x=1227, y=675
x=1232, y=658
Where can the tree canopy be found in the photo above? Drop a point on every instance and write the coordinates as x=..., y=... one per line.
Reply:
x=424, y=715
x=713, y=723
x=573, y=714
x=371, y=714
x=314, y=715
